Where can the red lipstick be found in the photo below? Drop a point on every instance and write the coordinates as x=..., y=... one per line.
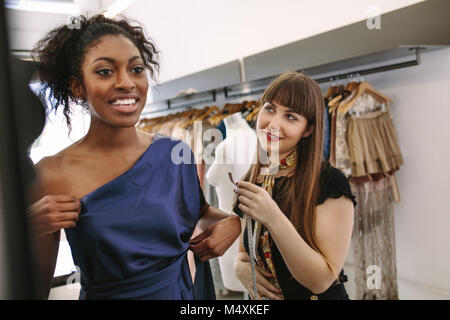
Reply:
x=272, y=137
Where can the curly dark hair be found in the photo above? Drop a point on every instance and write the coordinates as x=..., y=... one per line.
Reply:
x=60, y=54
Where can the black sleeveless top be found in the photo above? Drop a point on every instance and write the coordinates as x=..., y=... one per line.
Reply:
x=333, y=184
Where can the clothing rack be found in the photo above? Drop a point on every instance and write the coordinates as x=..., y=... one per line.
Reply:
x=258, y=86
x=362, y=72
x=183, y=102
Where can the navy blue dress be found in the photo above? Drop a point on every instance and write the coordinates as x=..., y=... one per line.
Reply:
x=133, y=233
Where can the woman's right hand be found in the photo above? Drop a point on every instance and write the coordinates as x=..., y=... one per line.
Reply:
x=243, y=271
x=54, y=212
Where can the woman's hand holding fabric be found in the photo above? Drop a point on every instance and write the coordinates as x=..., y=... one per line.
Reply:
x=54, y=212
x=216, y=239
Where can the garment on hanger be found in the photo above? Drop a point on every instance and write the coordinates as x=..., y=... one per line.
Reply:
x=364, y=146
x=374, y=241
x=199, y=146
x=342, y=153
x=327, y=131
x=222, y=129
x=374, y=146
x=333, y=139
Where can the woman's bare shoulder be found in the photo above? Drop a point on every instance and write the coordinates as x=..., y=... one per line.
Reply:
x=51, y=170
x=54, y=163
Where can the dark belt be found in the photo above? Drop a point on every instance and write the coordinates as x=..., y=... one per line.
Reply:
x=341, y=279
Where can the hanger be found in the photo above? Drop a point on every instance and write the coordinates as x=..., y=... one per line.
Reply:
x=252, y=105
x=364, y=87
x=336, y=98
x=332, y=89
x=249, y=109
x=352, y=85
x=227, y=110
x=205, y=112
x=238, y=107
x=349, y=88
x=211, y=110
x=337, y=94
x=214, y=118
x=253, y=114
x=330, y=92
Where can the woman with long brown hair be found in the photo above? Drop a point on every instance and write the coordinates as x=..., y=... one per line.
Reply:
x=301, y=206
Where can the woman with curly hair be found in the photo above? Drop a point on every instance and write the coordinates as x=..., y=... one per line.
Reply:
x=128, y=211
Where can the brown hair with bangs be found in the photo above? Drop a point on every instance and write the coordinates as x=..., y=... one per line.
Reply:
x=298, y=198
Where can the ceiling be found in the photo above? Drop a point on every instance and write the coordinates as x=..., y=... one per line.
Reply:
x=199, y=34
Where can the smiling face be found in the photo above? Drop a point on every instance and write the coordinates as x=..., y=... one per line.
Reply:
x=280, y=128
x=115, y=83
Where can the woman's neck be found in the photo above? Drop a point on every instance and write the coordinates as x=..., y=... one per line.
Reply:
x=281, y=156
x=101, y=137
x=281, y=173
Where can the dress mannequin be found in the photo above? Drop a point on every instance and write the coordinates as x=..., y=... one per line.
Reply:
x=235, y=154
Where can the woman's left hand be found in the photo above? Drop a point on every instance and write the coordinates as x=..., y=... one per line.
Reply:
x=256, y=202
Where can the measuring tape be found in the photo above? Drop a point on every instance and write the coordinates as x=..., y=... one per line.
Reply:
x=252, y=256
x=251, y=246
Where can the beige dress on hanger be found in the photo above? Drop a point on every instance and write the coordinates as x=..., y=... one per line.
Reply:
x=374, y=153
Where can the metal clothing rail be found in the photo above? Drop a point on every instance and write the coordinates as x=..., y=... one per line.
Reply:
x=258, y=86
x=183, y=102
x=362, y=72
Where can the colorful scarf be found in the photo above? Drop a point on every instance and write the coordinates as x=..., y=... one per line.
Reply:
x=263, y=250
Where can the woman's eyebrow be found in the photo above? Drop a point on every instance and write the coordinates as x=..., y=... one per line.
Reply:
x=288, y=110
x=134, y=58
x=113, y=60
x=105, y=59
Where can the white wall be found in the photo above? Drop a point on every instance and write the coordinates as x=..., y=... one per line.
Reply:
x=199, y=34
x=26, y=27
x=55, y=135
x=421, y=112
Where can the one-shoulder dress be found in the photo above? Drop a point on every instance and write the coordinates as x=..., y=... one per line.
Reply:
x=133, y=233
